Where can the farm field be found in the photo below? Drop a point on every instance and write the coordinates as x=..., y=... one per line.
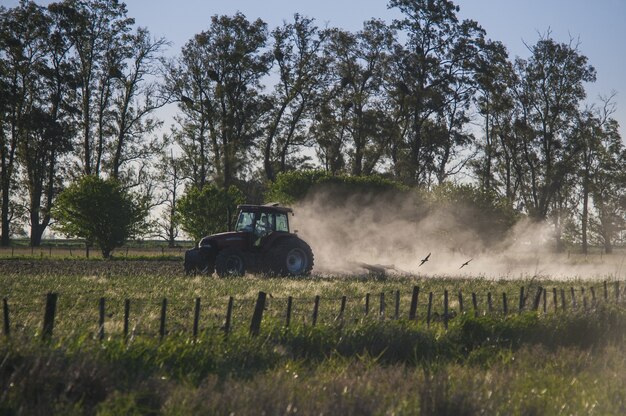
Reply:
x=365, y=357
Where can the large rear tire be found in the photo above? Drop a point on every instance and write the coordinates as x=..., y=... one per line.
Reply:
x=230, y=262
x=293, y=257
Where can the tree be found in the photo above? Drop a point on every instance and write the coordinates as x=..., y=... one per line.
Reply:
x=171, y=178
x=431, y=85
x=493, y=75
x=607, y=182
x=49, y=125
x=96, y=30
x=549, y=93
x=353, y=128
x=217, y=80
x=134, y=100
x=600, y=172
x=23, y=47
x=303, y=73
x=208, y=210
x=101, y=212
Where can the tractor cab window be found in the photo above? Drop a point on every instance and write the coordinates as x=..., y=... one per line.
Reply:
x=282, y=224
x=244, y=222
x=264, y=224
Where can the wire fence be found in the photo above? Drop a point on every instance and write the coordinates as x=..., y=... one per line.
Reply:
x=128, y=317
x=79, y=252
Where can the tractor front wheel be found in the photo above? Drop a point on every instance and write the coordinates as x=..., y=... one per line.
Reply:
x=199, y=260
x=230, y=262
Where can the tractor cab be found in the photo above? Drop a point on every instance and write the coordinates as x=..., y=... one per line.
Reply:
x=261, y=221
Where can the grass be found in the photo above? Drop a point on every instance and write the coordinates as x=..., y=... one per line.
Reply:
x=568, y=362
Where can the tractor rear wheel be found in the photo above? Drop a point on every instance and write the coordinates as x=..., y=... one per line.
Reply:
x=230, y=262
x=293, y=257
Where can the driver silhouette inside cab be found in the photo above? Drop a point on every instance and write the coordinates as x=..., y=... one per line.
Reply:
x=262, y=228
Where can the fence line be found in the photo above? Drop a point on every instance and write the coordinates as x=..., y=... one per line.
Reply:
x=576, y=301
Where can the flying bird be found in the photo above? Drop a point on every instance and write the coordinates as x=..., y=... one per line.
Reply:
x=424, y=260
x=465, y=264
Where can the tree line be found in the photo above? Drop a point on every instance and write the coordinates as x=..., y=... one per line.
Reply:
x=425, y=100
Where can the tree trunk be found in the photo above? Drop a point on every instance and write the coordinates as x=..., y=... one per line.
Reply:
x=36, y=233
x=558, y=233
x=5, y=239
x=585, y=215
x=608, y=246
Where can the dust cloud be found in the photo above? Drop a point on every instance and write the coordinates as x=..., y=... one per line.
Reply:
x=358, y=234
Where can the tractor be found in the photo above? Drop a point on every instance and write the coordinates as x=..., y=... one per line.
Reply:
x=261, y=243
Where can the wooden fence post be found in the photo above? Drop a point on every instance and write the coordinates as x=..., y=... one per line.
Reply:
x=593, y=296
x=563, y=304
x=606, y=291
x=48, y=318
x=489, y=302
x=475, y=304
x=196, y=317
x=545, y=301
x=381, y=313
x=521, y=299
x=445, y=309
x=5, y=313
x=367, y=303
x=616, y=291
x=316, y=306
x=101, y=320
x=582, y=294
x=229, y=316
x=554, y=299
x=430, y=306
x=574, y=304
x=505, y=306
x=126, y=316
x=414, y=298
x=289, y=307
x=396, y=314
x=163, y=314
x=537, y=298
x=460, y=301
x=255, y=325
x=342, y=309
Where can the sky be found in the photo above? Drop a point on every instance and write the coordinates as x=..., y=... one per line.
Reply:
x=599, y=26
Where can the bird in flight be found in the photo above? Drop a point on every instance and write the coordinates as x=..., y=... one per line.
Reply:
x=424, y=260
x=465, y=264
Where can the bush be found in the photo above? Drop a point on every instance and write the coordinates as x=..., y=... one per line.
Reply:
x=485, y=213
x=101, y=212
x=208, y=210
x=294, y=186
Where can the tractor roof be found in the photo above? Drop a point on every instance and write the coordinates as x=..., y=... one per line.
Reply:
x=271, y=207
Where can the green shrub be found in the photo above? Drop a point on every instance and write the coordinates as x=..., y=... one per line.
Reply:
x=101, y=212
x=489, y=215
x=294, y=186
x=208, y=210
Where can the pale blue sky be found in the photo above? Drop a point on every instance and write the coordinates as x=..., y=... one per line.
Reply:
x=600, y=25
